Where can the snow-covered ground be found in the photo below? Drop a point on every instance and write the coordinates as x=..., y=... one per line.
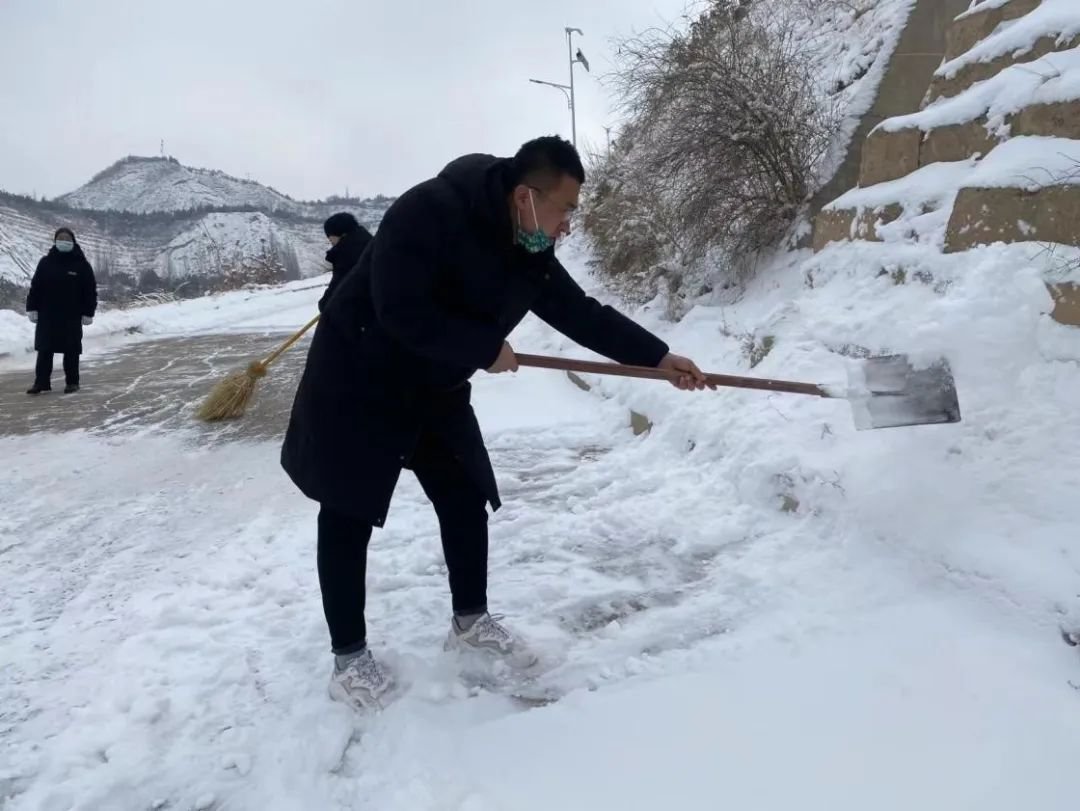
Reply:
x=752, y=606
x=281, y=309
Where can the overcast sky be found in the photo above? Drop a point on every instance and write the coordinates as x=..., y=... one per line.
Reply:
x=309, y=96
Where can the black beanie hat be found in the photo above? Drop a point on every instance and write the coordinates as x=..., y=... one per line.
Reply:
x=340, y=224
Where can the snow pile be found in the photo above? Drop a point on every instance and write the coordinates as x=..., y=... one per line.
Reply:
x=932, y=186
x=1050, y=79
x=1028, y=162
x=979, y=6
x=985, y=310
x=16, y=333
x=1051, y=18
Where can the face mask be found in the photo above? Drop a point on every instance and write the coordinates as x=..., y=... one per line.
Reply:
x=64, y=245
x=533, y=241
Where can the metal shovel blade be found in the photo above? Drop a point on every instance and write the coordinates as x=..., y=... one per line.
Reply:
x=888, y=392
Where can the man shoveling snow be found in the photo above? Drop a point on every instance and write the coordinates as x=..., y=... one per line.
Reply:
x=456, y=264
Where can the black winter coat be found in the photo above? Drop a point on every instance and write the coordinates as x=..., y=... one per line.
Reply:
x=431, y=302
x=343, y=258
x=62, y=291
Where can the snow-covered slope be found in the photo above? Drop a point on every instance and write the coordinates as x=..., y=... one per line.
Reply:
x=152, y=224
x=143, y=185
x=850, y=45
x=179, y=253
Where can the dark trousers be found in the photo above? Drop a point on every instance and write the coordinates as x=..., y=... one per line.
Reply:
x=44, y=368
x=461, y=508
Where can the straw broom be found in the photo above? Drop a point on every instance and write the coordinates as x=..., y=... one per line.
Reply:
x=230, y=397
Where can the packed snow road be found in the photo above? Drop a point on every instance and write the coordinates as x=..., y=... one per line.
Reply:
x=153, y=385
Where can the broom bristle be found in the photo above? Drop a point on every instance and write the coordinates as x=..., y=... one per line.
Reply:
x=230, y=397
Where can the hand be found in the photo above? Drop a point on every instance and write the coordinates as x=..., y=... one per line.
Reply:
x=87, y=320
x=691, y=378
x=32, y=315
x=506, y=362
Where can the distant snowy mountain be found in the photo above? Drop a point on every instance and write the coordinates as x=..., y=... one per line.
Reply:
x=153, y=225
x=145, y=185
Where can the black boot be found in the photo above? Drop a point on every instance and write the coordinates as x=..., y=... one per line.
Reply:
x=71, y=388
x=37, y=388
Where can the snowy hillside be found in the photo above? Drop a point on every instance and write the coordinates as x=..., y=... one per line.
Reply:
x=151, y=224
x=851, y=44
x=180, y=253
x=145, y=185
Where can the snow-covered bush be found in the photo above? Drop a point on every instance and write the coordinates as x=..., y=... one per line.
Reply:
x=726, y=129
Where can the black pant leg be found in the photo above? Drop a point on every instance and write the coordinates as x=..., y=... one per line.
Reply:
x=43, y=370
x=342, y=563
x=463, y=522
x=71, y=368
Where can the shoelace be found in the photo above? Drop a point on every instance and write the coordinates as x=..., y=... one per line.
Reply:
x=365, y=670
x=489, y=624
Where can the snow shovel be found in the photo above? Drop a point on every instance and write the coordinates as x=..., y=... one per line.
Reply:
x=884, y=392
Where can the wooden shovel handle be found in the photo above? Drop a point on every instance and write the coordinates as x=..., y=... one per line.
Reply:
x=623, y=370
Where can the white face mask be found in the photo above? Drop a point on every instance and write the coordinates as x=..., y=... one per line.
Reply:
x=64, y=245
x=533, y=241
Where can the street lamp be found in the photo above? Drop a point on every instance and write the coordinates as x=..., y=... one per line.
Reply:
x=578, y=57
x=570, y=98
x=563, y=87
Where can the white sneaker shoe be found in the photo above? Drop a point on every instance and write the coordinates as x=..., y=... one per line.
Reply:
x=487, y=635
x=362, y=683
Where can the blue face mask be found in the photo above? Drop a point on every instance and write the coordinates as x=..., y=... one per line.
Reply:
x=533, y=241
x=64, y=246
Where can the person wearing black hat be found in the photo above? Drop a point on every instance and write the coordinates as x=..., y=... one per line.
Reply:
x=348, y=238
x=62, y=300
x=457, y=263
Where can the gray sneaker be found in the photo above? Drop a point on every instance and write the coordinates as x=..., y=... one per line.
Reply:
x=487, y=635
x=362, y=683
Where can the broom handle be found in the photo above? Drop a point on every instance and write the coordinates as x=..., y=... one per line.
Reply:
x=595, y=367
x=296, y=337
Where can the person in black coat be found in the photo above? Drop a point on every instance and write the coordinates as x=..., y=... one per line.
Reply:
x=62, y=300
x=348, y=238
x=456, y=264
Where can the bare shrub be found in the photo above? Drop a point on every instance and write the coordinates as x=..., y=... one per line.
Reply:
x=635, y=233
x=727, y=127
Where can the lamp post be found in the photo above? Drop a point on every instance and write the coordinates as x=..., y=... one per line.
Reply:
x=578, y=57
x=568, y=90
x=563, y=87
